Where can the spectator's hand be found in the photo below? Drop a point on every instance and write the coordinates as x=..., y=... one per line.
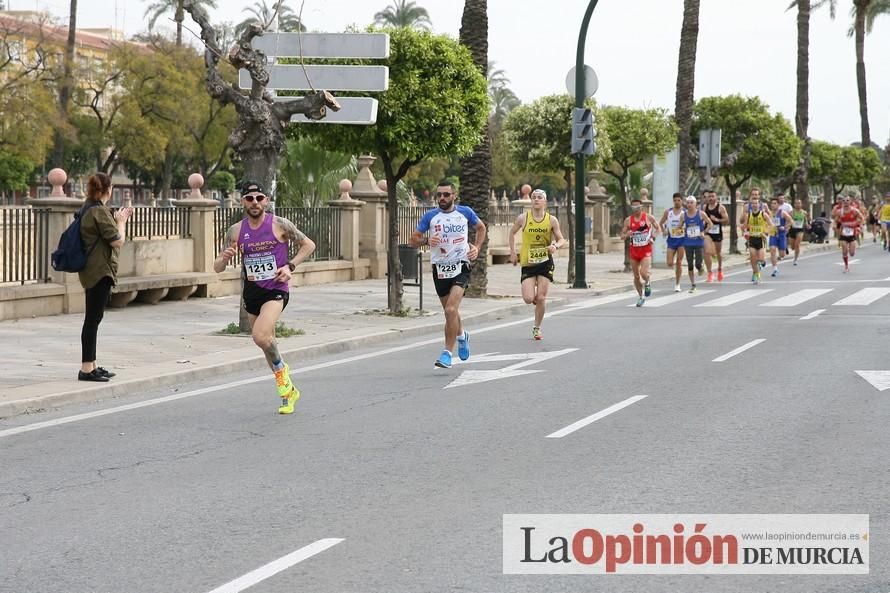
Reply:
x=123, y=214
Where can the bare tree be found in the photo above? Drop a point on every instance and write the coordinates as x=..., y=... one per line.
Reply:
x=258, y=140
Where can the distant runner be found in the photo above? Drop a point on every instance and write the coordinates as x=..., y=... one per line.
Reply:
x=640, y=228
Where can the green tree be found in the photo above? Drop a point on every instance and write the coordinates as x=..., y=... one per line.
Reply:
x=538, y=138
x=286, y=20
x=404, y=13
x=685, y=96
x=755, y=142
x=309, y=175
x=161, y=7
x=222, y=181
x=15, y=173
x=635, y=135
x=825, y=162
x=436, y=106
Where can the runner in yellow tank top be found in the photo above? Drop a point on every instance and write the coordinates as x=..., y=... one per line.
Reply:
x=539, y=230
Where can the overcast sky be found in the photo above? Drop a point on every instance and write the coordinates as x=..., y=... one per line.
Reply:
x=746, y=47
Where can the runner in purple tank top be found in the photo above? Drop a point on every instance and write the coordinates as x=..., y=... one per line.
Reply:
x=263, y=240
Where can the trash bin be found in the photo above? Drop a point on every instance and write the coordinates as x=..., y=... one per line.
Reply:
x=408, y=261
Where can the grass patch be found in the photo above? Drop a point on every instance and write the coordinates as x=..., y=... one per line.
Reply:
x=281, y=331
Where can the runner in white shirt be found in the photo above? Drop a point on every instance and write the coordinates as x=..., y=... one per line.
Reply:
x=450, y=256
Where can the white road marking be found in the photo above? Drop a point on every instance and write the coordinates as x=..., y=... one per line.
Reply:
x=851, y=262
x=796, y=298
x=812, y=315
x=880, y=380
x=735, y=297
x=513, y=370
x=276, y=566
x=866, y=296
x=594, y=417
x=739, y=350
x=595, y=302
x=673, y=298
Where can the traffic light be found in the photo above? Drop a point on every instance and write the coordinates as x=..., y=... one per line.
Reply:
x=583, y=131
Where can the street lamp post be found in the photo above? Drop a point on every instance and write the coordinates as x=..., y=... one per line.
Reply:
x=580, y=86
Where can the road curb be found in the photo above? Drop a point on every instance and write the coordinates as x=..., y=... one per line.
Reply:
x=114, y=389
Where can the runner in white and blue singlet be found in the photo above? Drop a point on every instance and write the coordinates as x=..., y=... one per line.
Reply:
x=450, y=256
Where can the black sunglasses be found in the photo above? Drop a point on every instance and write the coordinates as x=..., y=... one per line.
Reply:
x=251, y=198
x=443, y=194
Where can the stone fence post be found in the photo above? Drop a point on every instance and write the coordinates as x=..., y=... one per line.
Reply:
x=201, y=213
x=372, y=219
x=600, y=218
x=60, y=211
x=350, y=226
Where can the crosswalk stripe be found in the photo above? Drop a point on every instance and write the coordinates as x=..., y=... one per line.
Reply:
x=735, y=297
x=673, y=298
x=866, y=296
x=796, y=298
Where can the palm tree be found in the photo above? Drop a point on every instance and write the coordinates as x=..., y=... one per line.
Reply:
x=308, y=176
x=503, y=101
x=686, y=85
x=65, y=88
x=863, y=13
x=286, y=19
x=402, y=13
x=161, y=7
x=802, y=117
x=475, y=168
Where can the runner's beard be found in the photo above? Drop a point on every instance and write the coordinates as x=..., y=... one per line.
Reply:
x=446, y=204
x=255, y=212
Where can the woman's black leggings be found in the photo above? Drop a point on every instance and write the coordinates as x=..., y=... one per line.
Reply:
x=696, y=254
x=96, y=298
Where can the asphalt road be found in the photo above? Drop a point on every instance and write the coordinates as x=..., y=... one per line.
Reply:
x=397, y=482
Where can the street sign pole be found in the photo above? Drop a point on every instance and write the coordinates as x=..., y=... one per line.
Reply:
x=580, y=87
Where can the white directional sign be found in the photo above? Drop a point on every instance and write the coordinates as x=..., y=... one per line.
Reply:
x=329, y=78
x=353, y=110
x=324, y=45
x=514, y=370
x=880, y=380
x=333, y=77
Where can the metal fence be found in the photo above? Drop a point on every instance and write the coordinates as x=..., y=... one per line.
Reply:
x=24, y=245
x=321, y=224
x=158, y=223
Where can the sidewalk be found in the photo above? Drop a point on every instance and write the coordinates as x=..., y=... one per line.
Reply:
x=170, y=343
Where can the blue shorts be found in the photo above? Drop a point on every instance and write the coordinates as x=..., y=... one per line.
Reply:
x=675, y=242
x=780, y=241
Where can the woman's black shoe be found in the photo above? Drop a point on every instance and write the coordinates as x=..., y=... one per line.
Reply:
x=105, y=372
x=92, y=376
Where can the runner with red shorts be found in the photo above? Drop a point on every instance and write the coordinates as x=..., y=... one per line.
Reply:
x=641, y=229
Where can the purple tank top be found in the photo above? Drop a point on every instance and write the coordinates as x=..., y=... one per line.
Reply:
x=262, y=254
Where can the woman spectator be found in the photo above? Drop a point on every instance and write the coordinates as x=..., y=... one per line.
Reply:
x=102, y=234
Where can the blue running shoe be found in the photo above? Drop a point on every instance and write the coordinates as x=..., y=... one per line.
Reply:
x=647, y=289
x=641, y=301
x=463, y=346
x=444, y=360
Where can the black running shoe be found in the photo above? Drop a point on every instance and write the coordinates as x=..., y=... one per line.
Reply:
x=105, y=372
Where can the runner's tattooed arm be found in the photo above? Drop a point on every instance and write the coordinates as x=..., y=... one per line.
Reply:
x=305, y=245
